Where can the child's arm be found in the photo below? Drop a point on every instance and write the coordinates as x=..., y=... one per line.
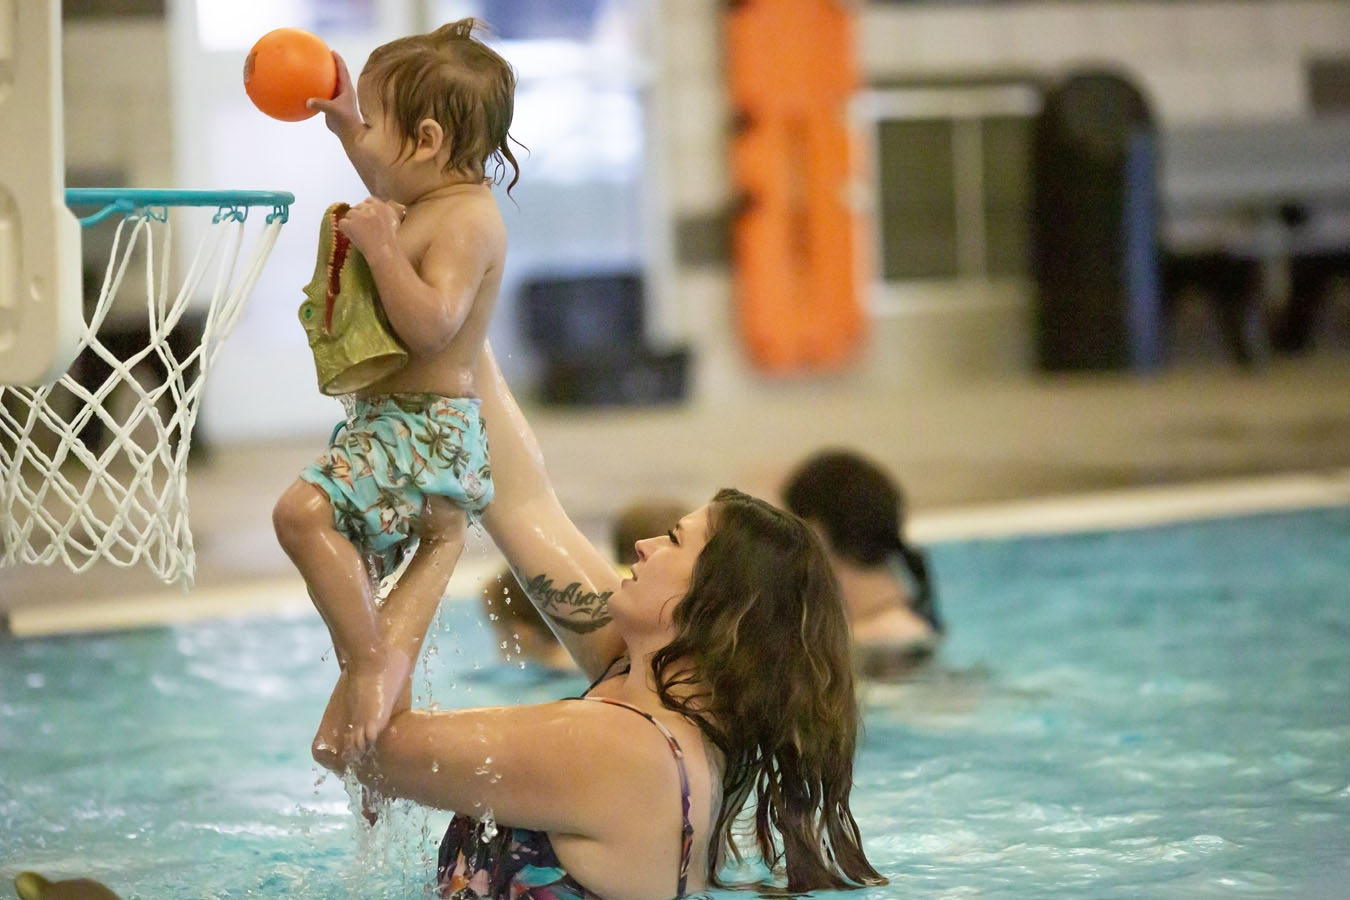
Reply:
x=344, y=120
x=425, y=308
x=567, y=578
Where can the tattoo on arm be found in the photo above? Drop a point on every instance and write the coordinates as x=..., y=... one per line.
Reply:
x=571, y=607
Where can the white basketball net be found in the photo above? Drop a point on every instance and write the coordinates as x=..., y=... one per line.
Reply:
x=125, y=499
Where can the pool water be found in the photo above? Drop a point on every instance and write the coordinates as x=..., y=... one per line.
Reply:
x=1160, y=713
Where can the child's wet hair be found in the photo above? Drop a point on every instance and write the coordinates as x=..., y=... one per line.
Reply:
x=451, y=76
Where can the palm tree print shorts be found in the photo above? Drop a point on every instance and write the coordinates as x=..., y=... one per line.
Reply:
x=389, y=455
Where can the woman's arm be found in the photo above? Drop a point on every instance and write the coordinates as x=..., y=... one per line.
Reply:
x=566, y=577
x=567, y=766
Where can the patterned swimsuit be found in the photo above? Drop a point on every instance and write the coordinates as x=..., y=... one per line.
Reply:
x=519, y=863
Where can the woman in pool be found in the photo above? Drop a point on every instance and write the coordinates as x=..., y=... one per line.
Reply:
x=722, y=682
x=859, y=511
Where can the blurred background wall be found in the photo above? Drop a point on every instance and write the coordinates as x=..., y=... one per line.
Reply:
x=624, y=107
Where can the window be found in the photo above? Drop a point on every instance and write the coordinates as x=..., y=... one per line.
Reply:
x=952, y=178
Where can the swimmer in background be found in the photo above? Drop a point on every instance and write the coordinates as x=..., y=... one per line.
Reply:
x=640, y=519
x=428, y=139
x=859, y=512
x=519, y=630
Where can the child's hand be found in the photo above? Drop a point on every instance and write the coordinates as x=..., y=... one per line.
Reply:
x=372, y=224
x=340, y=113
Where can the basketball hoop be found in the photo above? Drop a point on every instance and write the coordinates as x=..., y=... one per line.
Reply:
x=72, y=501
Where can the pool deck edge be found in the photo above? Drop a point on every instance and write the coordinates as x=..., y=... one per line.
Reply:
x=1099, y=511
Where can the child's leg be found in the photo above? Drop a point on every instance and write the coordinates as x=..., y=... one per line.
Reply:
x=335, y=573
x=404, y=618
x=333, y=569
x=407, y=612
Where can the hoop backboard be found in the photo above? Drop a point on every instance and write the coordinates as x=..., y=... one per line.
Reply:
x=40, y=284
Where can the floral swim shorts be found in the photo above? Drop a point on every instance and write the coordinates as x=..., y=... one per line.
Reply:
x=390, y=454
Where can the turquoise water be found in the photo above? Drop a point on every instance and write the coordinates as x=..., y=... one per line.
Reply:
x=1155, y=713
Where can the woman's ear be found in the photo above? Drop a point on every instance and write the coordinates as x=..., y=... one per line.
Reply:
x=430, y=140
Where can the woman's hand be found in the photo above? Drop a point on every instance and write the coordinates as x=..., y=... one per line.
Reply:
x=340, y=112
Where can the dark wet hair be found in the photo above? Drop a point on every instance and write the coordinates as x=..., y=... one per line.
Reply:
x=451, y=76
x=862, y=512
x=762, y=662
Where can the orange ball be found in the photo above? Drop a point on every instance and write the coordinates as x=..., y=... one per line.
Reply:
x=287, y=67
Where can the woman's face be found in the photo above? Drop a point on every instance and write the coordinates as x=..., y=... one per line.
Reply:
x=379, y=141
x=661, y=574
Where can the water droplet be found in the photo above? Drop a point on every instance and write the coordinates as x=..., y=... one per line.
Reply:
x=503, y=646
x=435, y=766
x=492, y=617
x=489, y=826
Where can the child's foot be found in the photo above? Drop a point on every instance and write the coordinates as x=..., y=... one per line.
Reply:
x=372, y=688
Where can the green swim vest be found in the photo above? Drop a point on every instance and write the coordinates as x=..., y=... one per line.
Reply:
x=353, y=345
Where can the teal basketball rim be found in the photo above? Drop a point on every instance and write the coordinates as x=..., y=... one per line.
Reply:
x=93, y=465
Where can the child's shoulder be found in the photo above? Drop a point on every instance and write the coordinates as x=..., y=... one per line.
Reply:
x=457, y=212
x=459, y=202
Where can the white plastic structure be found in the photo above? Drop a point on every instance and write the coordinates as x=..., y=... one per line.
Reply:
x=39, y=238
x=121, y=494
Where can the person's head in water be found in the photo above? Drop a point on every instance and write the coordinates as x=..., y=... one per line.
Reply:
x=519, y=631
x=643, y=518
x=860, y=510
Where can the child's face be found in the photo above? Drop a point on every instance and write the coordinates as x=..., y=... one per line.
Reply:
x=380, y=141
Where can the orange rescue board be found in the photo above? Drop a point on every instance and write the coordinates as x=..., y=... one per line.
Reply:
x=791, y=72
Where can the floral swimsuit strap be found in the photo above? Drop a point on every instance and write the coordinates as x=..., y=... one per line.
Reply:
x=687, y=830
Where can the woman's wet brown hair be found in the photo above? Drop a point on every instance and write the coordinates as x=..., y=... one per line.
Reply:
x=762, y=662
